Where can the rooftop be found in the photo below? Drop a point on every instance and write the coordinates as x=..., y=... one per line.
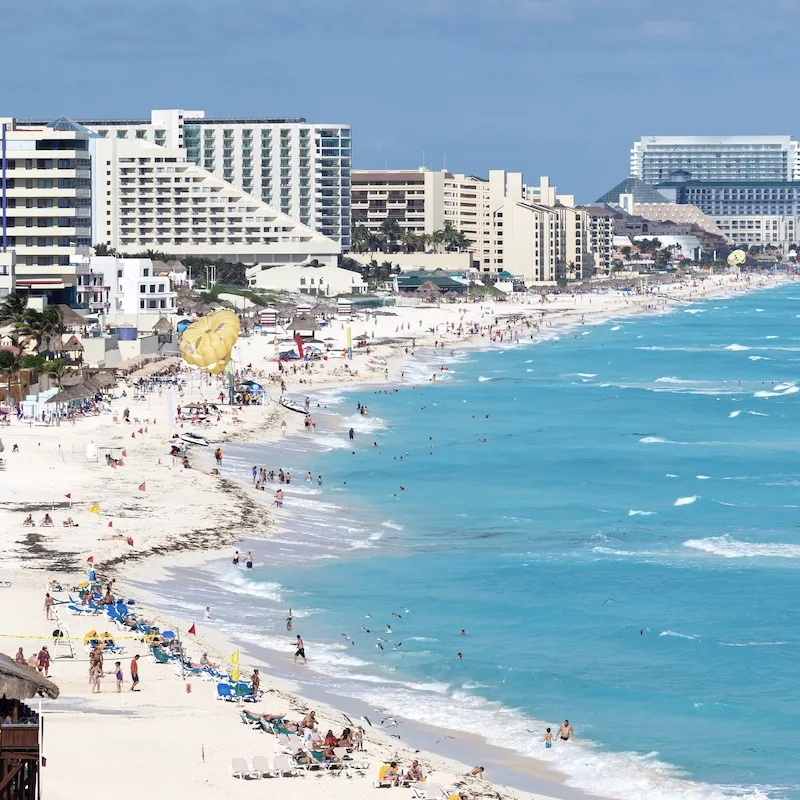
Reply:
x=642, y=192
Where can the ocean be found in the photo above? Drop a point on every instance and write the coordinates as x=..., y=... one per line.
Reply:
x=611, y=515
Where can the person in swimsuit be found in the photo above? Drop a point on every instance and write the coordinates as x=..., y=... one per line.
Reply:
x=289, y=621
x=565, y=731
x=300, y=651
x=248, y=560
x=548, y=739
x=236, y=559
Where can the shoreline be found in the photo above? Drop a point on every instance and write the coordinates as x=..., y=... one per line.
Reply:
x=208, y=515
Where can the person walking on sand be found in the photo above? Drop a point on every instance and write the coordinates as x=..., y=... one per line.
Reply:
x=118, y=675
x=48, y=606
x=256, y=682
x=43, y=661
x=300, y=650
x=135, y=673
x=96, y=674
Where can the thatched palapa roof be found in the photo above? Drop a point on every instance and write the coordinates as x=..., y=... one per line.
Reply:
x=70, y=318
x=303, y=323
x=72, y=345
x=163, y=325
x=22, y=683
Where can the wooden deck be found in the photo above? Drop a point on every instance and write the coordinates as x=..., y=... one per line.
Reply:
x=19, y=758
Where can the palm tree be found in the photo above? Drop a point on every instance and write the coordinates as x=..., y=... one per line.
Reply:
x=390, y=229
x=9, y=366
x=12, y=308
x=41, y=327
x=101, y=249
x=410, y=241
x=436, y=240
x=460, y=242
x=361, y=239
x=58, y=369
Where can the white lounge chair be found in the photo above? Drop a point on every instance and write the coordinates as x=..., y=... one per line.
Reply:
x=260, y=767
x=283, y=765
x=239, y=769
x=348, y=760
x=428, y=791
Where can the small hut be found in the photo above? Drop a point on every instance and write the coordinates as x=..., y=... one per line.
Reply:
x=304, y=323
x=19, y=735
x=429, y=291
x=70, y=318
x=163, y=325
x=73, y=349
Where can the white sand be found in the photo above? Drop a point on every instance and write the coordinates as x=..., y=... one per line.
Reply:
x=165, y=740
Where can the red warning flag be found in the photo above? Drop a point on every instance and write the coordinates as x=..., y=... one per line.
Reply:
x=142, y=487
x=192, y=630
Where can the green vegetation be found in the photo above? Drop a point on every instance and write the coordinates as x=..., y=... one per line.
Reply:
x=391, y=238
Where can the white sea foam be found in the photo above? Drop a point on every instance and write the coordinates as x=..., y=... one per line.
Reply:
x=616, y=327
x=654, y=440
x=728, y=547
x=781, y=390
x=770, y=337
x=759, y=310
x=703, y=477
x=686, y=501
x=585, y=374
x=736, y=347
x=752, y=644
x=670, y=380
x=393, y=525
x=634, y=512
x=758, y=358
x=694, y=311
x=734, y=414
x=678, y=635
x=483, y=378
x=237, y=582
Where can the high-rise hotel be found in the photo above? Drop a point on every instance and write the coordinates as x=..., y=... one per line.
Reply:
x=299, y=168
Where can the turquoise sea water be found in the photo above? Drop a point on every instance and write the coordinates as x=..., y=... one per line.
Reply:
x=613, y=516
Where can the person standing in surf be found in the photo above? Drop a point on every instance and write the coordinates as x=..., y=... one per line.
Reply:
x=300, y=651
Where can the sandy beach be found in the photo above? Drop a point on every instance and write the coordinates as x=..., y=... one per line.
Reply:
x=154, y=514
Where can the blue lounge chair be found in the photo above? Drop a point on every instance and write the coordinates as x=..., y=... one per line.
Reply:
x=224, y=692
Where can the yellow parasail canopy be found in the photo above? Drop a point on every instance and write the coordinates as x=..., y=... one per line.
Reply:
x=208, y=342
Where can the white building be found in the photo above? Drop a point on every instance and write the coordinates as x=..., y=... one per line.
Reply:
x=327, y=281
x=778, y=231
x=300, y=168
x=601, y=237
x=422, y=201
x=656, y=159
x=149, y=197
x=124, y=287
x=8, y=273
x=49, y=202
x=683, y=246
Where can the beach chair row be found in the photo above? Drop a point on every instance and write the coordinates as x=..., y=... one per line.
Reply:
x=285, y=765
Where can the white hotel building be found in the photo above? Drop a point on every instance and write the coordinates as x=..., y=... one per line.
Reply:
x=150, y=197
x=530, y=231
x=299, y=168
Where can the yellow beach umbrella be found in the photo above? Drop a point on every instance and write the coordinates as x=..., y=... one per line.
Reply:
x=208, y=342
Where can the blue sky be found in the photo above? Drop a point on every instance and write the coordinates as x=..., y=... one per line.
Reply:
x=555, y=87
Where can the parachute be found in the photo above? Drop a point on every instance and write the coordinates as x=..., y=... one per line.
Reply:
x=208, y=342
x=736, y=258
